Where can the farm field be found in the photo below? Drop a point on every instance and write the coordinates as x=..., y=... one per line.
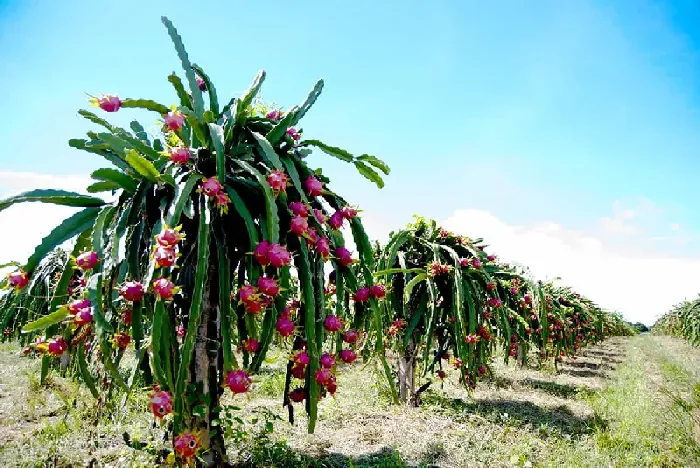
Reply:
x=625, y=402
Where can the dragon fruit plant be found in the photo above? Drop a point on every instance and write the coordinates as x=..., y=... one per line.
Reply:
x=193, y=260
x=439, y=304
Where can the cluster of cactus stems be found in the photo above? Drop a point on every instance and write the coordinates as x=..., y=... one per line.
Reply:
x=216, y=249
x=683, y=320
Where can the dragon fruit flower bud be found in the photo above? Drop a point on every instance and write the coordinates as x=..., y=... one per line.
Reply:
x=174, y=120
x=275, y=114
x=348, y=212
x=107, y=102
x=313, y=186
x=87, y=260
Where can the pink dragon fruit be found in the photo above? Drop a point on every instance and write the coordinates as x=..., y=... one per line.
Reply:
x=491, y=258
x=297, y=395
x=180, y=331
x=332, y=323
x=336, y=220
x=83, y=316
x=292, y=132
x=78, y=305
x=260, y=253
x=174, y=121
x=320, y=217
x=323, y=247
x=298, y=371
x=311, y=237
x=299, y=225
x=314, y=187
x=301, y=358
x=284, y=326
x=324, y=377
x=132, y=291
x=343, y=256
x=211, y=187
x=122, y=340
x=482, y=369
x=471, y=339
x=441, y=374
x=251, y=345
x=351, y=336
x=299, y=209
x=238, y=381
x=361, y=295
x=164, y=288
x=268, y=286
x=476, y=263
x=126, y=317
x=464, y=262
x=108, y=102
x=327, y=361
x=179, y=155
x=528, y=299
x=57, y=346
x=164, y=257
x=348, y=356
x=377, y=291
x=186, y=445
x=161, y=403
x=494, y=302
x=18, y=280
x=278, y=256
x=278, y=181
x=491, y=286
x=247, y=293
x=348, y=212
x=87, y=260
x=274, y=115
x=169, y=237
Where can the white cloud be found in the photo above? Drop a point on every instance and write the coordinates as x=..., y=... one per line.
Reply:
x=23, y=226
x=639, y=286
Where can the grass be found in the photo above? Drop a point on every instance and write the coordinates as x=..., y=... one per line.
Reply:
x=628, y=402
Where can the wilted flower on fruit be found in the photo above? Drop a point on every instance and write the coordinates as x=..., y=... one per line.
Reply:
x=174, y=120
x=332, y=323
x=347, y=356
x=238, y=381
x=164, y=288
x=313, y=186
x=179, y=155
x=327, y=360
x=161, y=403
x=87, y=260
x=343, y=256
x=186, y=445
x=107, y=102
x=131, y=291
x=18, y=279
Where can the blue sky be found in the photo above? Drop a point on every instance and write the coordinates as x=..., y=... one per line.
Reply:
x=582, y=114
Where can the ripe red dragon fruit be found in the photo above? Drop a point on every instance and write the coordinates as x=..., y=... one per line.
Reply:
x=444, y=233
x=494, y=302
x=121, y=340
x=132, y=291
x=278, y=181
x=126, y=317
x=327, y=360
x=336, y=220
x=83, y=316
x=361, y=295
x=164, y=257
x=482, y=369
x=528, y=299
x=514, y=290
x=311, y=237
x=320, y=217
x=57, y=346
x=301, y=357
x=18, y=279
x=343, y=256
x=299, y=225
x=161, y=403
x=332, y=323
x=256, y=305
x=293, y=133
x=298, y=371
x=170, y=237
x=464, y=262
x=351, y=336
x=87, y=260
x=323, y=247
x=238, y=381
x=260, y=253
x=275, y=114
x=180, y=331
x=436, y=269
x=107, y=102
x=299, y=209
x=476, y=263
x=251, y=345
x=377, y=291
x=186, y=445
x=471, y=339
x=491, y=286
x=179, y=155
x=441, y=374
x=278, y=256
x=491, y=258
x=268, y=286
x=164, y=288
x=247, y=293
x=297, y=395
x=174, y=120
x=78, y=305
x=314, y=187
x=324, y=377
x=284, y=326
x=211, y=187
x=348, y=356
x=201, y=83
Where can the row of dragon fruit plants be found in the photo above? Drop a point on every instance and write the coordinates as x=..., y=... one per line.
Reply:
x=683, y=320
x=215, y=250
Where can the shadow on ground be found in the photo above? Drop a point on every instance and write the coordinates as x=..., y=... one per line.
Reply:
x=282, y=456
